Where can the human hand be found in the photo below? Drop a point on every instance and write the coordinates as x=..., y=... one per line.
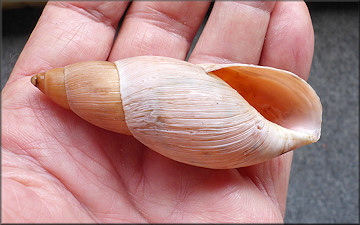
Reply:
x=56, y=167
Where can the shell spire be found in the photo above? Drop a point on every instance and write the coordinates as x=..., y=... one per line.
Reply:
x=52, y=84
x=90, y=89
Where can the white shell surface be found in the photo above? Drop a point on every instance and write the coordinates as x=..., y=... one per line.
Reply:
x=179, y=110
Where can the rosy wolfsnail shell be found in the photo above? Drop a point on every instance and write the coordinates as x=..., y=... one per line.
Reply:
x=209, y=115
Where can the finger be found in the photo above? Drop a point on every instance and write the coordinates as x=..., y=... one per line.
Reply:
x=69, y=32
x=289, y=45
x=159, y=28
x=235, y=32
x=289, y=41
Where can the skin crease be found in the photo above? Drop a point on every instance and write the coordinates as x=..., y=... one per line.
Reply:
x=56, y=167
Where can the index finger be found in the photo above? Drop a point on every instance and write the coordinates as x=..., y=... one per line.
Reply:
x=69, y=32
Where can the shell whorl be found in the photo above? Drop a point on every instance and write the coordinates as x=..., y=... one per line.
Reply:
x=196, y=114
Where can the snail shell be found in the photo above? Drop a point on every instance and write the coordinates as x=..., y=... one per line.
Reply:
x=209, y=115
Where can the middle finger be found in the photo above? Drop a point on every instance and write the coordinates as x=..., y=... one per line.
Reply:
x=159, y=28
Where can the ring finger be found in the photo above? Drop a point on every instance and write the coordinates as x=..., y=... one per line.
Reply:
x=235, y=32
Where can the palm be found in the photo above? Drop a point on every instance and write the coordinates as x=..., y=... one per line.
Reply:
x=73, y=171
x=128, y=181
